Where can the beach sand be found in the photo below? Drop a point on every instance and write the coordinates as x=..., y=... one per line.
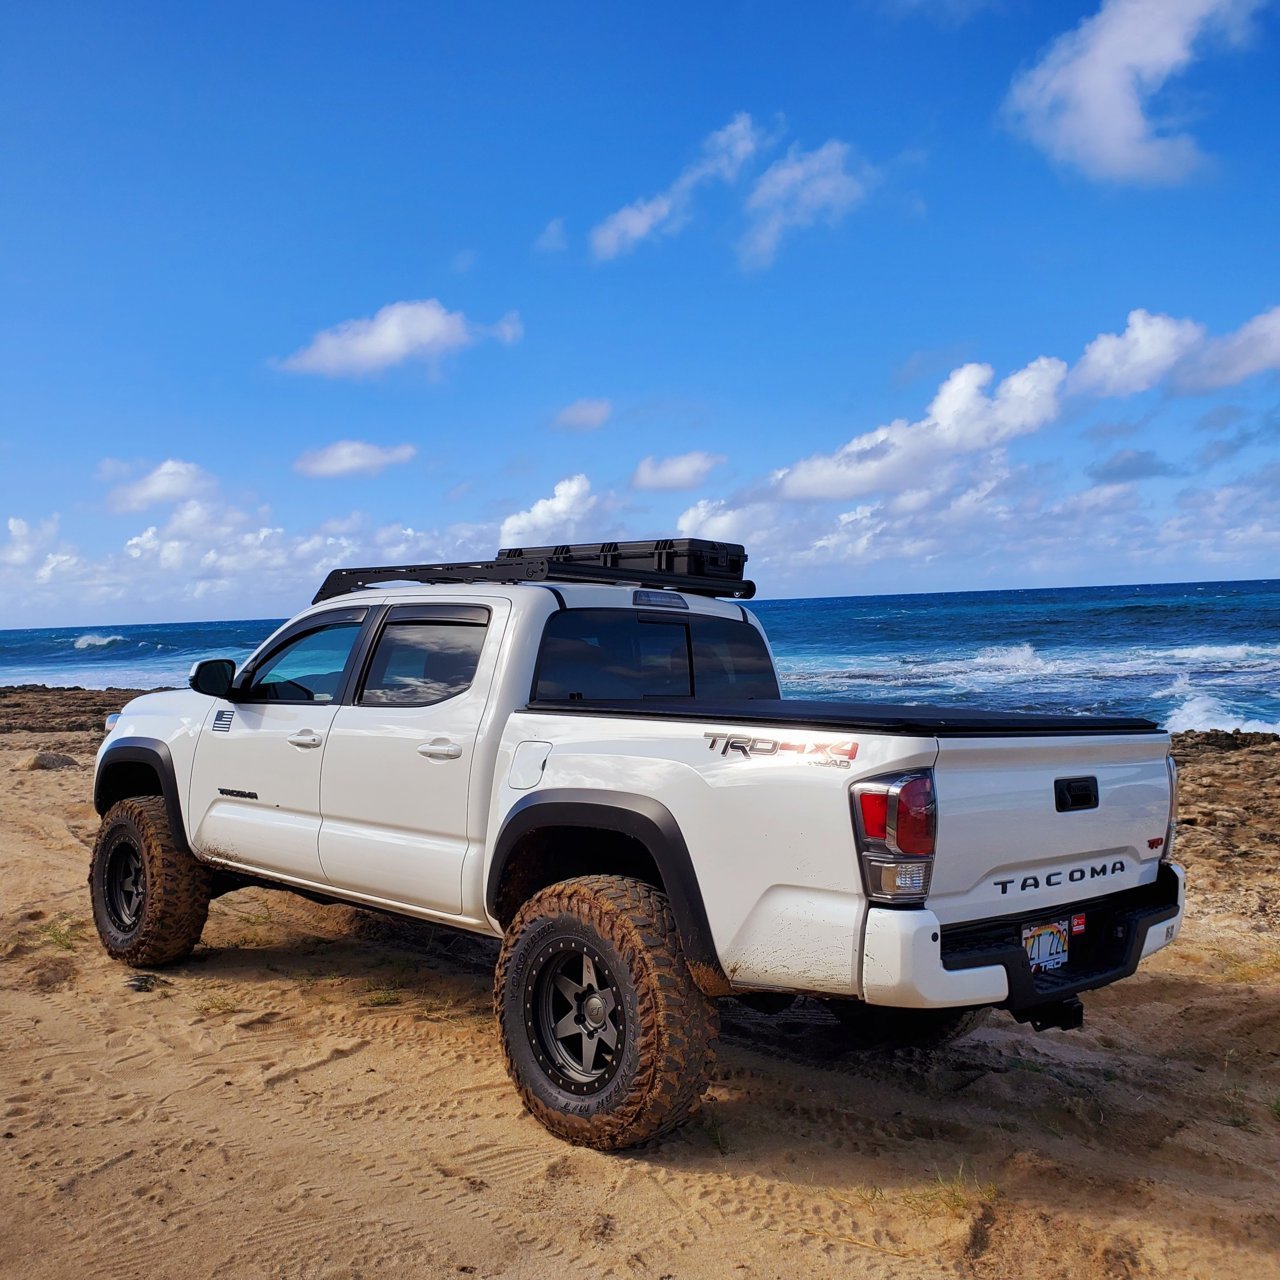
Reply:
x=318, y=1092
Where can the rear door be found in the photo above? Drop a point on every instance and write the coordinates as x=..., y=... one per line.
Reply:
x=255, y=786
x=397, y=770
x=1026, y=823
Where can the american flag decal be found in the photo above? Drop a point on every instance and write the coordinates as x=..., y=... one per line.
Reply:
x=222, y=721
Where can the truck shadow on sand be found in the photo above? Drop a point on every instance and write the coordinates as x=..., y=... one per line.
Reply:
x=1159, y=1053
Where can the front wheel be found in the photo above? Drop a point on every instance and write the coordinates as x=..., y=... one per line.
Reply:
x=150, y=897
x=606, y=1036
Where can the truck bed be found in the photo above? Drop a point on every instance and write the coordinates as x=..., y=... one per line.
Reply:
x=867, y=717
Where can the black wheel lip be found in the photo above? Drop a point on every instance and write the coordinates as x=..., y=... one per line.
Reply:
x=547, y=1056
x=115, y=899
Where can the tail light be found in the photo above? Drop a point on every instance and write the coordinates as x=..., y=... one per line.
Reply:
x=895, y=819
x=1166, y=854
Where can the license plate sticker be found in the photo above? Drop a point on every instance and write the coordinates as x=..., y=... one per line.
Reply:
x=1047, y=944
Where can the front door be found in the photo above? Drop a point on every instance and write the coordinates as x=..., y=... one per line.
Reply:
x=255, y=787
x=397, y=767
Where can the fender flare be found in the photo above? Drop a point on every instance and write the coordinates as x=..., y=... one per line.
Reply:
x=156, y=755
x=642, y=818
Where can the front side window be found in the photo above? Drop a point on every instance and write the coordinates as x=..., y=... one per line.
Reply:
x=306, y=669
x=417, y=663
x=617, y=654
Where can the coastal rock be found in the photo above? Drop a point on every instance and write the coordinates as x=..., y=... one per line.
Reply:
x=49, y=760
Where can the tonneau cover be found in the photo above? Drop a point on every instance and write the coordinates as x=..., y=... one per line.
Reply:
x=872, y=717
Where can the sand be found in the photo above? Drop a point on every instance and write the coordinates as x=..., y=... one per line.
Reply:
x=318, y=1092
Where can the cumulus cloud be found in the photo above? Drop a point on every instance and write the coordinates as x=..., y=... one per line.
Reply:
x=802, y=188
x=26, y=543
x=1155, y=347
x=1087, y=101
x=962, y=419
x=584, y=415
x=1120, y=364
x=552, y=237
x=352, y=457
x=551, y=520
x=172, y=481
x=685, y=471
x=423, y=331
x=723, y=155
x=1223, y=362
x=755, y=524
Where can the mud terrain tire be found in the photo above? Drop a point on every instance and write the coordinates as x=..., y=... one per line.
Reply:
x=606, y=1036
x=150, y=898
x=877, y=1027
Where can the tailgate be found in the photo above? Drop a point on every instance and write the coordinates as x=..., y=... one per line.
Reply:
x=1043, y=822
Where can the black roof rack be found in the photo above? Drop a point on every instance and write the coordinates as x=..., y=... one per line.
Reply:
x=692, y=565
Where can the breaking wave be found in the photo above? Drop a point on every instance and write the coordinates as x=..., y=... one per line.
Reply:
x=95, y=641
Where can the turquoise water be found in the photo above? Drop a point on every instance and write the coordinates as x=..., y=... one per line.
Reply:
x=1192, y=655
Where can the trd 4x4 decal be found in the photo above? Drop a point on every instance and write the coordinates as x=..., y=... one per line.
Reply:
x=832, y=755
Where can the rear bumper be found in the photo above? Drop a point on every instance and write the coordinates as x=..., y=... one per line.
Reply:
x=911, y=961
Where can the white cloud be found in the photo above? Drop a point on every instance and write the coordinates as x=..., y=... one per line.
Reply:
x=1087, y=102
x=172, y=481
x=724, y=153
x=551, y=520
x=1155, y=347
x=797, y=191
x=685, y=471
x=552, y=237
x=584, y=415
x=24, y=543
x=1135, y=360
x=351, y=457
x=752, y=524
x=1222, y=362
x=423, y=331
x=962, y=419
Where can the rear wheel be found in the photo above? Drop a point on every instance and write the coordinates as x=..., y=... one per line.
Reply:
x=150, y=898
x=870, y=1026
x=606, y=1035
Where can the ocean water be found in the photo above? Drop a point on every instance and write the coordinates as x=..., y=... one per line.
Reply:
x=1191, y=655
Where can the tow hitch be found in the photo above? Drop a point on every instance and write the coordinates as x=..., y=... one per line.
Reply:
x=1060, y=1015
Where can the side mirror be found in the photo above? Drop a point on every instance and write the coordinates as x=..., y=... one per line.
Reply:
x=213, y=677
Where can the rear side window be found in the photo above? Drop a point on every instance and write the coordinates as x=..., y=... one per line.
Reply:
x=618, y=654
x=417, y=663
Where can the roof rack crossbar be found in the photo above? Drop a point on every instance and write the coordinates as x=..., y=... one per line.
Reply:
x=512, y=569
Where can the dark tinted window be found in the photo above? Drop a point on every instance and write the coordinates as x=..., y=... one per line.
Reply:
x=611, y=654
x=730, y=661
x=307, y=669
x=417, y=663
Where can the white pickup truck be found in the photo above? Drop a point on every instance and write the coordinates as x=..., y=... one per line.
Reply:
x=583, y=751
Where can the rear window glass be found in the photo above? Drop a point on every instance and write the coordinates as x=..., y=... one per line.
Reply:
x=418, y=663
x=618, y=654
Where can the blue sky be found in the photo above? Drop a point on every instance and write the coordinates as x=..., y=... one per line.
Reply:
x=903, y=294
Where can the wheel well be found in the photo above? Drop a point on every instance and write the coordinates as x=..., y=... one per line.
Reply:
x=124, y=779
x=549, y=854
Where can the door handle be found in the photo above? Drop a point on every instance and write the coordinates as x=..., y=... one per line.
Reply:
x=440, y=749
x=305, y=738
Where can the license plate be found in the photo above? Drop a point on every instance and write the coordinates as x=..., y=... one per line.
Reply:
x=1046, y=944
